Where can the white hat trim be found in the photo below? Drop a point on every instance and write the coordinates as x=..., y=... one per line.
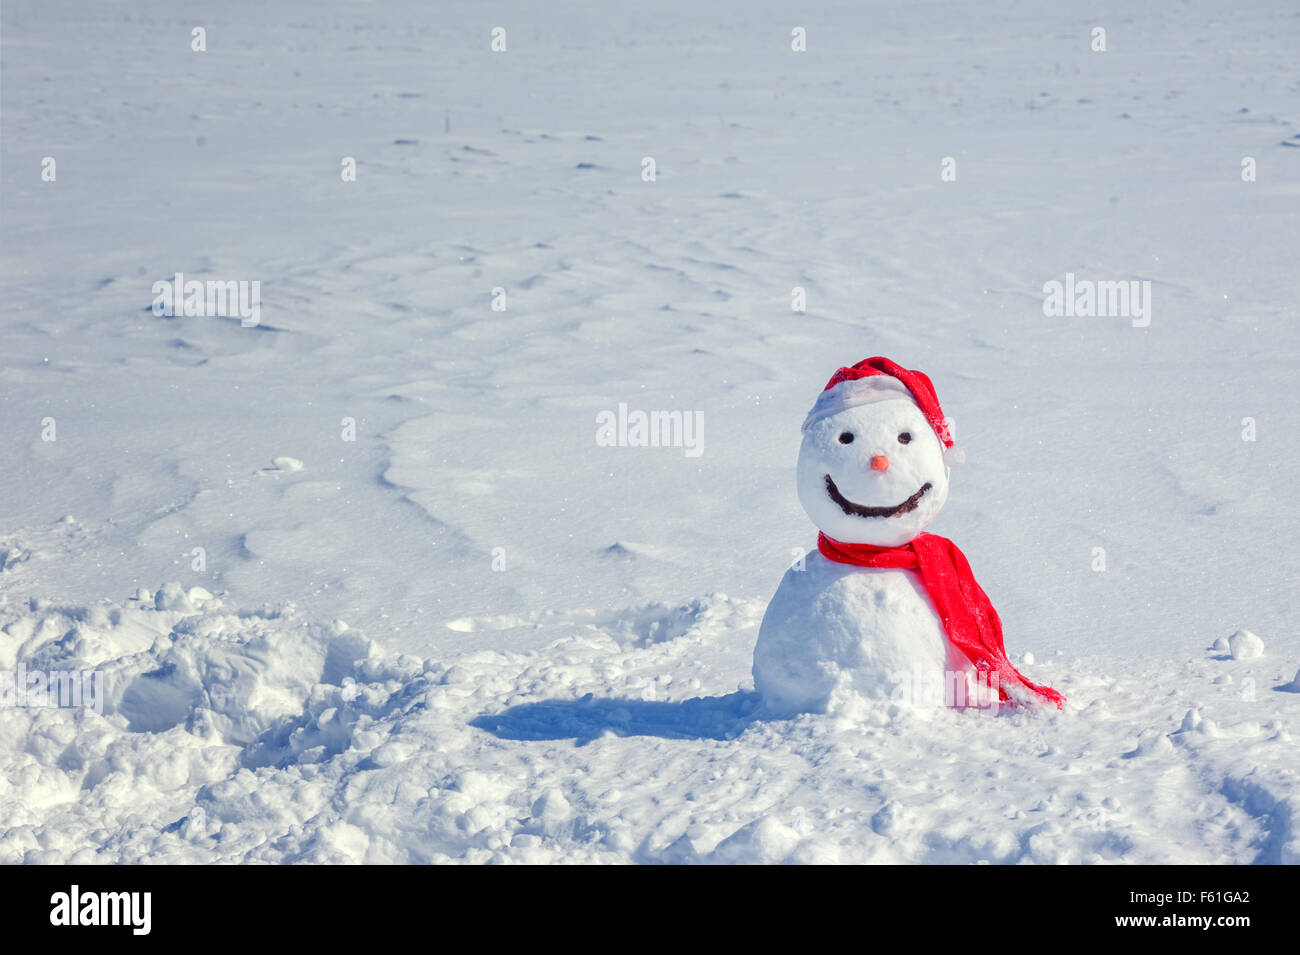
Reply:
x=854, y=392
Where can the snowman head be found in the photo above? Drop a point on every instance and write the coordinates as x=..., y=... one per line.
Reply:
x=874, y=463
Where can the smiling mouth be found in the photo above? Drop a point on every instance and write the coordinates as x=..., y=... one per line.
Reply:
x=861, y=510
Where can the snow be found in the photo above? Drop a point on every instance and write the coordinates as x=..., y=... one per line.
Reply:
x=1244, y=645
x=360, y=583
x=264, y=736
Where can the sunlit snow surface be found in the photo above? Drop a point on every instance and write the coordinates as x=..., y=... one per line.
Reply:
x=592, y=699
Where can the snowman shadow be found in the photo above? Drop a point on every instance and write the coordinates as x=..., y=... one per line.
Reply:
x=589, y=718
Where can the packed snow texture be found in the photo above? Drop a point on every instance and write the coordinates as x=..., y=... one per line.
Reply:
x=836, y=636
x=358, y=583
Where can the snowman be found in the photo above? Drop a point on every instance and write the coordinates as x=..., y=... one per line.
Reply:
x=882, y=610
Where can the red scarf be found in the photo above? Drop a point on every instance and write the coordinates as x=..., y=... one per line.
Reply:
x=968, y=616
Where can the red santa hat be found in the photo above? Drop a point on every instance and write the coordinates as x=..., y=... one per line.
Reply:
x=879, y=379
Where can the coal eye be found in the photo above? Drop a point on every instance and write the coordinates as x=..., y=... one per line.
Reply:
x=846, y=437
x=905, y=437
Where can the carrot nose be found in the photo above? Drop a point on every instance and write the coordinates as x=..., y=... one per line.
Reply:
x=879, y=463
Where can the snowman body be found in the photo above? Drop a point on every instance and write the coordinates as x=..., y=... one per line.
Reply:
x=833, y=632
x=870, y=473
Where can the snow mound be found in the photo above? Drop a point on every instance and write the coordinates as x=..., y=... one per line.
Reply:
x=1244, y=645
